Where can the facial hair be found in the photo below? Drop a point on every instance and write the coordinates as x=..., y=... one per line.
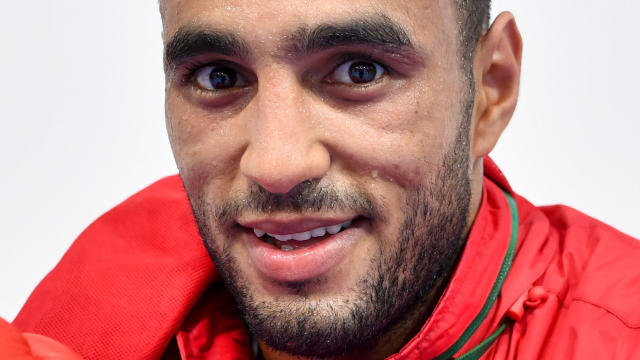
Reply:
x=403, y=273
x=400, y=275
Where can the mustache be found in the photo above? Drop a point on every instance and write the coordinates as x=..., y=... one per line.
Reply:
x=307, y=197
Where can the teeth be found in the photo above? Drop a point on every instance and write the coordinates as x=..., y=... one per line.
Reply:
x=334, y=229
x=303, y=236
x=286, y=248
x=318, y=232
x=282, y=237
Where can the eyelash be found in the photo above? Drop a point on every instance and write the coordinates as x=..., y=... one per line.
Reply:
x=358, y=56
x=191, y=68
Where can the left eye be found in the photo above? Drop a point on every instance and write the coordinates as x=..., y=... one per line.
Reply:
x=357, y=72
x=218, y=78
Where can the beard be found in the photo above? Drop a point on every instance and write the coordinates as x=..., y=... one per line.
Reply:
x=400, y=276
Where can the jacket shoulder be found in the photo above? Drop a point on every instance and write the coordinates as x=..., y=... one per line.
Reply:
x=167, y=191
x=133, y=274
x=600, y=263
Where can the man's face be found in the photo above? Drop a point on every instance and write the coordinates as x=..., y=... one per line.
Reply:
x=341, y=129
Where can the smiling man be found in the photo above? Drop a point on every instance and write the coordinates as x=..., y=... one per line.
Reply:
x=334, y=158
x=331, y=236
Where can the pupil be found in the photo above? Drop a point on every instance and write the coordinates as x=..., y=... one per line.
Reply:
x=222, y=78
x=362, y=72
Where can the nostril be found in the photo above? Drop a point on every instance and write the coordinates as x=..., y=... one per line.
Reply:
x=279, y=170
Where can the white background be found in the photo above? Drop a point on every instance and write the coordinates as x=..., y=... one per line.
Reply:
x=82, y=118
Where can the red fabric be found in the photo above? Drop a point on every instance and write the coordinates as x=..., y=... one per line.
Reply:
x=12, y=344
x=17, y=346
x=214, y=323
x=128, y=283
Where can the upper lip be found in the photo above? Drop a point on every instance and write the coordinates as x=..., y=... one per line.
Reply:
x=292, y=225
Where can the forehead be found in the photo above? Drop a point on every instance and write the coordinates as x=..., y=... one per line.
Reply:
x=262, y=23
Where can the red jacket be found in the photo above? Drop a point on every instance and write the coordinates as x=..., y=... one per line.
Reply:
x=140, y=274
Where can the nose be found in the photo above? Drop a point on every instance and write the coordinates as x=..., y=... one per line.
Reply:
x=284, y=147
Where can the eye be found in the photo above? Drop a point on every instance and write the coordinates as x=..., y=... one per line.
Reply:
x=357, y=72
x=214, y=77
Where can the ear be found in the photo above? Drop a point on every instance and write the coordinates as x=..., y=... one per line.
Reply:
x=497, y=65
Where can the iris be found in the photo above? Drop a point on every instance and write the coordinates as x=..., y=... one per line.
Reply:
x=362, y=72
x=222, y=78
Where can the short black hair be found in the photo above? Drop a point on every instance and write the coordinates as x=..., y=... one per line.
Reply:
x=474, y=17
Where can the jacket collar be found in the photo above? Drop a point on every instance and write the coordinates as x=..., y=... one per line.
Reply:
x=473, y=278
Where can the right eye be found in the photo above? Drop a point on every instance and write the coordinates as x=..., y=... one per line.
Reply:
x=357, y=72
x=214, y=77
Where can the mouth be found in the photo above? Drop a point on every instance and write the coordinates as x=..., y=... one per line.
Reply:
x=300, y=249
x=300, y=240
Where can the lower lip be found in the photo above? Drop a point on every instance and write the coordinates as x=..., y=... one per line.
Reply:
x=304, y=263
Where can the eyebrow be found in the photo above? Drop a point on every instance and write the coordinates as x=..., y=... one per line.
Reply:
x=189, y=42
x=378, y=31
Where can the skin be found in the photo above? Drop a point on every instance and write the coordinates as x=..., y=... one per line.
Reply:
x=289, y=125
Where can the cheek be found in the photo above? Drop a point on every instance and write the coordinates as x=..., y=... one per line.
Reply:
x=400, y=140
x=206, y=148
